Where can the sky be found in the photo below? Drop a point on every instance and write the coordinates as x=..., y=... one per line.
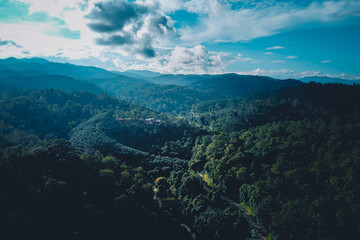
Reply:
x=282, y=39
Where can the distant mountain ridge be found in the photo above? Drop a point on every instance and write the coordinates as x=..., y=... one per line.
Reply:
x=39, y=66
x=163, y=92
x=235, y=85
x=325, y=80
x=166, y=93
x=65, y=83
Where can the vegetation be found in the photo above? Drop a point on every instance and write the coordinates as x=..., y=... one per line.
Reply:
x=280, y=164
x=298, y=178
x=164, y=98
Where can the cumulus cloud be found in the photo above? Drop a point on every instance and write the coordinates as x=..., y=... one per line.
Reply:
x=194, y=60
x=133, y=26
x=292, y=57
x=113, y=15
x=277, y=61
x=181, y=60
x=275, y=48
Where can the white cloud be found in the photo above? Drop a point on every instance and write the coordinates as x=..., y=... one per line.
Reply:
x=277, y=61
x=288, y=73
x=134, y=27
x=68, y=10
x=292, y=57
x=312, y=73
x=282, y=73
x=275, y=48
x=103, y=59
x=248, y=23
x=119, y=64
x=194, y=60
x=53, y=8
x=168, y=5
x=39, y=38
x=31, y=36
x=268, y=53
x=243, y=59
x=326, y=61
x=181, y=60
x=9, y=50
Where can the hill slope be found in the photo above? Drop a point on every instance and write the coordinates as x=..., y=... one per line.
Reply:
x=64, y=83
x=39, y=66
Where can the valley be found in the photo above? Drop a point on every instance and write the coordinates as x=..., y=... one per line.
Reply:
x=230, y=156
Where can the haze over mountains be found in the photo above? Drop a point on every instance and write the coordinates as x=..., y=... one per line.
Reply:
x=184, y=90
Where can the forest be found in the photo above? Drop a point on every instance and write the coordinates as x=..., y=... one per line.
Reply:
x=276, y=159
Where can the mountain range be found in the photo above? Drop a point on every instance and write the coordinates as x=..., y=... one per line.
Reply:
x=163, y=92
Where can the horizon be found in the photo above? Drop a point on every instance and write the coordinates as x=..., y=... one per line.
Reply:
x=274, y=38
x=212, y=74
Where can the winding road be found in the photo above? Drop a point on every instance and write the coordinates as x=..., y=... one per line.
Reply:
x=252, y=223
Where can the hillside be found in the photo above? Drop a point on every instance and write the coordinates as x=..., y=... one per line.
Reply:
x=135, y=135
x=61, y=82
x=39, y=66
x=307, y=101
x=166, y=93
x=140, y=74
x=90, y=166
x=164, y=98
x=286, y=169
x=179, y=79
x=241, y=85
x=287, y=158
x=90, y=178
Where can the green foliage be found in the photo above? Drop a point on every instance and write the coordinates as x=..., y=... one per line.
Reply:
x=48, y=191
x=288, y=158
x=64, y=83
x=165, y=98
x=51, y=113
x=307, y=101
x=301, y=173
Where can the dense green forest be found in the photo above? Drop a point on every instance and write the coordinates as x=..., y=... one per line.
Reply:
x=299, y=179
x=51, y=189
x=308, y=101
x=177, y=161
x=164, y=98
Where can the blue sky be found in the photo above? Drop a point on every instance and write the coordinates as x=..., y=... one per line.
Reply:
x=276, y=38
